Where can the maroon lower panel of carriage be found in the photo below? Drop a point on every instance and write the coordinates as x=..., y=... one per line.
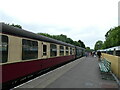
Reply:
x=20, y=69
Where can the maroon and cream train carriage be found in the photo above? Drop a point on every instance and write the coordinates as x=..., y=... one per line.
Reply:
x=24, y=53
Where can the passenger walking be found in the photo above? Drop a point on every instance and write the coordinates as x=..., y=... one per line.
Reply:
x=99, y=55
x=86, y=54
x=93, y=54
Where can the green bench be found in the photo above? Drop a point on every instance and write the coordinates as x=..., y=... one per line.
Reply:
x=104, y=66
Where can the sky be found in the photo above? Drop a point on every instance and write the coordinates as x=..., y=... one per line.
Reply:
x=86, y=20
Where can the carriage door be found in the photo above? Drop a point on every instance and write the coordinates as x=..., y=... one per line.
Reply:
x=44, y=50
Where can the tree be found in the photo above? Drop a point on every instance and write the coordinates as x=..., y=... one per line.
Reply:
x=112, y=39
x=76, y=43
x=18, y=26
x=98, y=45
x=81, y=44
x=45, y=34
x=64, y=38
x=88, y=49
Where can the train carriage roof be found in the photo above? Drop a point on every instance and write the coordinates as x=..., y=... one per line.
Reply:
x=111, y=49
x=80, y=48
x=6, y=29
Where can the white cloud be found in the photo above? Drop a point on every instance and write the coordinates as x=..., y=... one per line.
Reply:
x=87, y=20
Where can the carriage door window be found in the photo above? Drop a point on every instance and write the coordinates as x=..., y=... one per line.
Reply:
x=44, y=50
x=70, y=51
x=3, y=48
x=73, y=52
x=67, y=51
x=61, y=51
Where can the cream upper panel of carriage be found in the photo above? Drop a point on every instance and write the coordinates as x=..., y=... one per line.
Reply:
x=22, y=49
x=17, y=47
x=57, y=50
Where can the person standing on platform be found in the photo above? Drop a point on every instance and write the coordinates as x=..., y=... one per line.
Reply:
x=86, y=54
x=99, y=55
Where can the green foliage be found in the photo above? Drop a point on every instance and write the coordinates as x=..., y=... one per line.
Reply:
x=112, y=38
x=45, y=34
x=88, y=49
x=64, y=38
x=18, y=26
x=98, y=45
x=81, y=44
x=76, y=43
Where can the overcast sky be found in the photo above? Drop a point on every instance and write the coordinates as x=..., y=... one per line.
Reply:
x=86, y=20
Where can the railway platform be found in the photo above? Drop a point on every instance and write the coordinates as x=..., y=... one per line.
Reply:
x=81, y=73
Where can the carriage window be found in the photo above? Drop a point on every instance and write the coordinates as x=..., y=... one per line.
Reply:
x=53, y=50
x=67, y=51
x=61, y=50
x=29, y=49
x=70, y=51
x=3, y=48
x=44, y=50
x=73, y=52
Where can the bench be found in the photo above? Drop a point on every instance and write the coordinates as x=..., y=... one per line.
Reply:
x=104, y=66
